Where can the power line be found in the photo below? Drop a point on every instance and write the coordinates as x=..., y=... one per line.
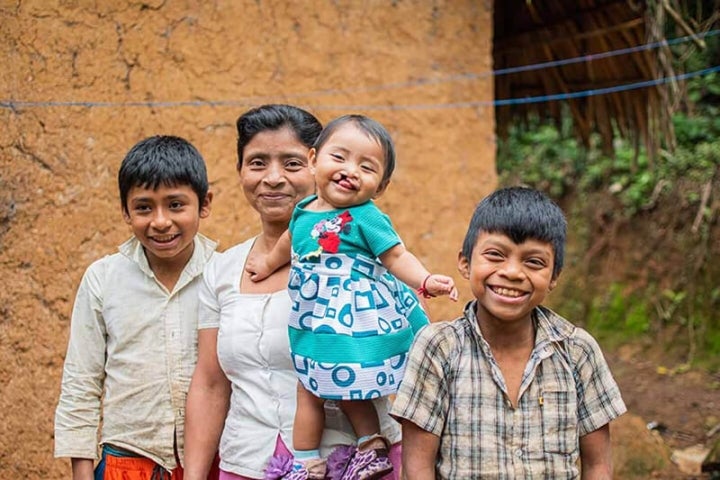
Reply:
x=14, y=105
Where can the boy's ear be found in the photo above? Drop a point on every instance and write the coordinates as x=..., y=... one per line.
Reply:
x=463, y=265
x=125, y=215
x=206, y=205
x=381, y=189
x=553, y=283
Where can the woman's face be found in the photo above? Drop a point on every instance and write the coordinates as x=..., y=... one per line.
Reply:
x=275, y=174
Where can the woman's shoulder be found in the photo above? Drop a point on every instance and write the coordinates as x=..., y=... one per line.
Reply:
x=233, y=254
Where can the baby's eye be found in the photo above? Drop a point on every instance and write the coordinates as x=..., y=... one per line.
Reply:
x=337, y=157
x=368, y=168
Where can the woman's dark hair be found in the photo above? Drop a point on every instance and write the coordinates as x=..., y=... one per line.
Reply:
x=274, y=117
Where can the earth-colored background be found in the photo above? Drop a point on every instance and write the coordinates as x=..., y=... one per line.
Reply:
x=99, y=76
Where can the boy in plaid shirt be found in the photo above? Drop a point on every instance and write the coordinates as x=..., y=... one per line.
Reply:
x=510, y=390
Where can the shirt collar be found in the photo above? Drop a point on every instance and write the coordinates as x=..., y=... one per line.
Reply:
x=204, y=248
x=549, y=326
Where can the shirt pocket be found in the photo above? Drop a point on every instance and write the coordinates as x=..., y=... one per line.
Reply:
x=559, y=415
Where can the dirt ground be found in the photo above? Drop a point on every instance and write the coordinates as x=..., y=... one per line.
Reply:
x=684, y=407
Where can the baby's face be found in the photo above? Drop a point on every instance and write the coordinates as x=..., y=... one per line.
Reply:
x=349, y=168
x=508, y=279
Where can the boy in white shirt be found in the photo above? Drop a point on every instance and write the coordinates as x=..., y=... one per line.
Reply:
x=133, y=335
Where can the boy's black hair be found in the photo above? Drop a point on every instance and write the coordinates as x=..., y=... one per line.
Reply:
x=274, y=117
x=166, y=160
x=521, y=214
x=373, y=129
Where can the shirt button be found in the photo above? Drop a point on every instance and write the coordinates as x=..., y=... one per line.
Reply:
x=518, y=453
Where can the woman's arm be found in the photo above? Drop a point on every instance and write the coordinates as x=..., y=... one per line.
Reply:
x=408, y=269
x=419, y=452
x=596, y=455
x=261, y=266
x=207, y=405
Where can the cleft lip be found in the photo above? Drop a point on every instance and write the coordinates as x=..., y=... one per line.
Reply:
x=346, y=183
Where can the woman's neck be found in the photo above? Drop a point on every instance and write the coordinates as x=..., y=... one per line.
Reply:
x=270, y=235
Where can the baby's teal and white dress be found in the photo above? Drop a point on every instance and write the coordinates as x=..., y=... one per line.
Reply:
x=352, y=322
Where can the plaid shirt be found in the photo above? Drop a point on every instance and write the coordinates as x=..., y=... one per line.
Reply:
x=453, y=388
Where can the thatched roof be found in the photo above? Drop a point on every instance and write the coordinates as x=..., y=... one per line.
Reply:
x=538, y=31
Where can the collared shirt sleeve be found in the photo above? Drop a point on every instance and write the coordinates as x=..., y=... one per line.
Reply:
x=423, y=395
x=77, y=417
x=599, y=400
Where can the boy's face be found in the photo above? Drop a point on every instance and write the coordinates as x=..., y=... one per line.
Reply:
x=509, y=280
x=165, y=221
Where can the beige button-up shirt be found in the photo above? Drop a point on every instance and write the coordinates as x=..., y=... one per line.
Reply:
x=131, y=354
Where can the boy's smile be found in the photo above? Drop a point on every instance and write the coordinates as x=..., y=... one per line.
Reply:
x=508, y=279
x=165, y=221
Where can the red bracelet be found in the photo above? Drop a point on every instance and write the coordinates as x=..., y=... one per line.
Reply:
x=422, y=291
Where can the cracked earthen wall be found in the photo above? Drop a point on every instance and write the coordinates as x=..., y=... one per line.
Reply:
x=58, y=197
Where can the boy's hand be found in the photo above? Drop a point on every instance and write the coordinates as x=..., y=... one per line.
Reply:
x=257, y=267
x=435, y=285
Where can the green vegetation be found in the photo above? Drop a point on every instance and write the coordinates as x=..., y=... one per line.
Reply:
x=659, y=217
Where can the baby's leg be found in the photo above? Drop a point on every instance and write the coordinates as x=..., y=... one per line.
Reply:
x=362, y=416
x=371, y=461
x=309, y=420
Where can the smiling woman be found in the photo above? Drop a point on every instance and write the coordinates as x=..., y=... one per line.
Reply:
x=243, y=392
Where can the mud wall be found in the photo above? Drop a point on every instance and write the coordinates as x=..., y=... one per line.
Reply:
x=82, y=81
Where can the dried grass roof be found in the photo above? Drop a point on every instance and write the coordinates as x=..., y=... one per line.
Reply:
x=537, y=31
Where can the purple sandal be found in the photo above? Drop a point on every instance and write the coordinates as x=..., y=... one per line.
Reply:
x=350, y=463
x=283, y=467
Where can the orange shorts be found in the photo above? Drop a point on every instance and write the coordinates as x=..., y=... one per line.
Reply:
x=141, y=468
x=137, y=468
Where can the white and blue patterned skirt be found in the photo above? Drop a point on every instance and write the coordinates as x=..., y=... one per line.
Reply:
x=351, y=326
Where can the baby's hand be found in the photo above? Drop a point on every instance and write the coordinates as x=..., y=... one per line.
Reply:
x=435, y=285
x=257, y=267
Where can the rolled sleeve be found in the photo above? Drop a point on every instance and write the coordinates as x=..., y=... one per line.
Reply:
x=600, y=401
x=77, y=417
x=423, y=394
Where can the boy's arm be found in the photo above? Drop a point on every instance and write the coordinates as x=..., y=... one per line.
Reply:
x=260, y=266
x=207, y=405
x=408, y=269
x=82, y=468
x=419, y=452
x=596, y=455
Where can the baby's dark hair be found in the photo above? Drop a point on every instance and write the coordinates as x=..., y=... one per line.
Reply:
x=274, y=117
x=521, y=214
x=373, y=129
x=166, y=160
